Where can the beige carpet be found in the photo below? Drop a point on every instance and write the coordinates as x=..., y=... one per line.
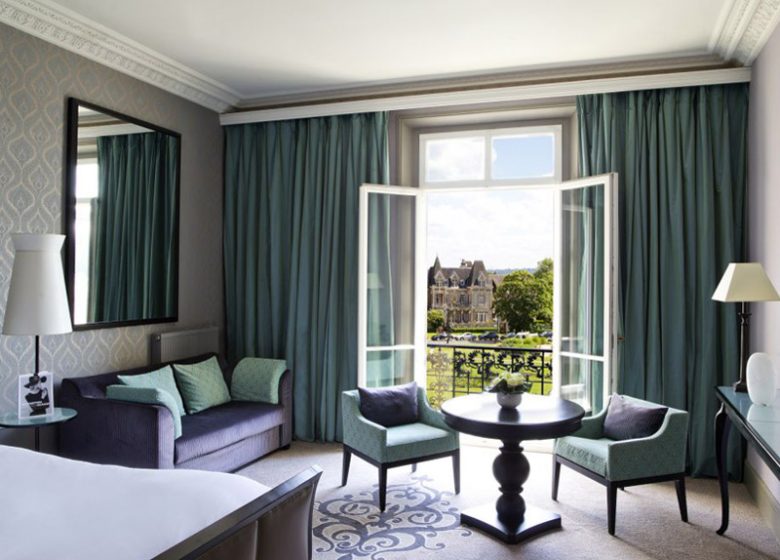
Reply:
x=648, y=521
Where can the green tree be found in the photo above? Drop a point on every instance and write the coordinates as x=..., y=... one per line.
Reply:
x=524, y=299
x=544, y=277
x=435, y=319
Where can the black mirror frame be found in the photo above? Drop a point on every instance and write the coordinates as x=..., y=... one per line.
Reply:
x=69, y=210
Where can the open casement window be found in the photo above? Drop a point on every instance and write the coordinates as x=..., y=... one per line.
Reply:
x=393, y=295
x=585, y=272
x=392, y=288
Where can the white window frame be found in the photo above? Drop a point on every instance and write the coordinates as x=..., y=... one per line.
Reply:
x=420, y=322
x=609, y=277
x=608, y=358
x=487, y=135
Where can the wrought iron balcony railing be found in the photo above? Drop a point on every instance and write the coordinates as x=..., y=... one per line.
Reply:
x=460, y=369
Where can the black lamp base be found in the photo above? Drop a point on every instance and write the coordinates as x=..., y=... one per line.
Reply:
x=744, y=335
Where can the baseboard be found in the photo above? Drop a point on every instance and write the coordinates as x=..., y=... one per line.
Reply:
x=766, y=502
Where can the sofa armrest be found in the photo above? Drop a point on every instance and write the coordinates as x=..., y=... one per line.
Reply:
x=257, y=379
x=286, y=400
x=660, y=454
x=116, y=432
x=361, y=433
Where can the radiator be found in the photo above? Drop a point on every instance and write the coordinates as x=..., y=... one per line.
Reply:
x=175, y=345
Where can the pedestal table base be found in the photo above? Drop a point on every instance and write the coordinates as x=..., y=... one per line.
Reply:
x=511, y=519
x=535, y=521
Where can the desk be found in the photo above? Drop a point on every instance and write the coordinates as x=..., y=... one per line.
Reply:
x=760, y=426
x=537, y=418
x=58, y=415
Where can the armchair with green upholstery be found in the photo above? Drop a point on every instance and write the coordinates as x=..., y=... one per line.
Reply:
x=617, y=464
x=408, y=444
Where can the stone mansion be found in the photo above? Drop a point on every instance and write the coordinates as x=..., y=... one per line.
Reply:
x=464, y=293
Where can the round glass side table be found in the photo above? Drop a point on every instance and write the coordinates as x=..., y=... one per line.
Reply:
x=59, y=415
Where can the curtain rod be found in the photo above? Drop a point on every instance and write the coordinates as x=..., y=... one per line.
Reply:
x=493, y=95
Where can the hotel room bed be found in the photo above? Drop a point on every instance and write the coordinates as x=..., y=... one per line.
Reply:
x=66, y=509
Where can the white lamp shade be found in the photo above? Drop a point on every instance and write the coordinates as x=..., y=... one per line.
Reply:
x=745, y=282
x=37, y=300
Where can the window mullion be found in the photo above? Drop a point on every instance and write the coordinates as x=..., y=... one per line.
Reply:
x=488, y=159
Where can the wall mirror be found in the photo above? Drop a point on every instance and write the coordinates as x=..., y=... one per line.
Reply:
x=121, y=219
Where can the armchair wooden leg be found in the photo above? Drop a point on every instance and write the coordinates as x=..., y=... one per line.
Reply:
x=345, y=460
x=556, y=477
x=382, y=487
x=414, y=467
x=680, y=485
x=612, y=489
x=456, y=470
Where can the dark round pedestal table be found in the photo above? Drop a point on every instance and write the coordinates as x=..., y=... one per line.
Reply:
x=537, y=417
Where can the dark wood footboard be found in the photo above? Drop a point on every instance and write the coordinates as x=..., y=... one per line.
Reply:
x=276, y=525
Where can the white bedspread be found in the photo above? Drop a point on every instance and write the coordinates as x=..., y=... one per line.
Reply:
x=72, y=510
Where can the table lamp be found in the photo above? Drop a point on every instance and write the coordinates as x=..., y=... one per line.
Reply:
x=37, y=301
x=743, y=283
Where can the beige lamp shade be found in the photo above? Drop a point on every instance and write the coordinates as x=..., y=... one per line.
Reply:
x=745, y=282
x=37, y=300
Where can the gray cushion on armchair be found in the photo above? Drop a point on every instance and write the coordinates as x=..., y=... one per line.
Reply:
x=628, y=420
x=390, y=406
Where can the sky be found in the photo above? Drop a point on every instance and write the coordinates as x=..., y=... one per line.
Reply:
x=505, y=229
x=513, y=156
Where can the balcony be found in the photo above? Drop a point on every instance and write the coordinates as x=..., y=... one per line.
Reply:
x=459, y=369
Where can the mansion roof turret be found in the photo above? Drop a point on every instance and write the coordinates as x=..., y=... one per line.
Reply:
x=466, y=275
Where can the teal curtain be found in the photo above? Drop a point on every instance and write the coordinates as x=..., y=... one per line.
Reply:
x=291, y=251
x=681, y=158
x=133, y=258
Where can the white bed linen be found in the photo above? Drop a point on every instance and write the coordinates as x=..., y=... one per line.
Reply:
x=72, y=510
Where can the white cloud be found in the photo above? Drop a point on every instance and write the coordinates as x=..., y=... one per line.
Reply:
x=505, y=229
x=452, y=159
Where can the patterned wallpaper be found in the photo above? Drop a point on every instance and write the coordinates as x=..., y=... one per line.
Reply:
x=35, y=79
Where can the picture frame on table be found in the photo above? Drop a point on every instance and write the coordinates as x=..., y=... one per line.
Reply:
x=36, y=394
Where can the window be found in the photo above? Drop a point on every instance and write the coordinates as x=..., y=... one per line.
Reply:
x=86, y=193
x=507, y=156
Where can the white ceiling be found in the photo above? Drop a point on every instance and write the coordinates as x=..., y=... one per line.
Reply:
x=259, y=48
x=244, y=52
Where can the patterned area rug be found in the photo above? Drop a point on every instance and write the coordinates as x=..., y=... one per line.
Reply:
x=417, y=518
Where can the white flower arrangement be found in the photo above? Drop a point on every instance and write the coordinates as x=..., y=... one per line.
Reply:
x=511, y=383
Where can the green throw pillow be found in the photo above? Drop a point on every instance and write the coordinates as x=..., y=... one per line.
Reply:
x=257, y=379
x=202, y=385
x=147, y=395
x=159, y=379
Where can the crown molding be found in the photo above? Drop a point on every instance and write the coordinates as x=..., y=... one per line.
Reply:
x=744, y=26
x=486, y=80
x=64, y=28
x=535, y=91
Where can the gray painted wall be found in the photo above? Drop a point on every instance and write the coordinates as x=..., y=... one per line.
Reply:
x=35, y=79
x=764, y=201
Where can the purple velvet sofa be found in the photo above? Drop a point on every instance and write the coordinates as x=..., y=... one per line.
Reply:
x=222, y=438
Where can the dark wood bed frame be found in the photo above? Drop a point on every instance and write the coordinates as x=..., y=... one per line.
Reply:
x=276, y=525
